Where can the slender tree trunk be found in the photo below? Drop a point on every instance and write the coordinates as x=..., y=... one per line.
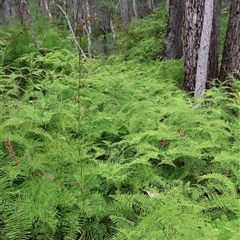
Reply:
x=89, y=31
x=191, y=41
x=44, y=8
x=76, y=15
x=203, y=54
x=28, y=19
x=114, y=36
x=231, y=51
x=173, y=43
x=135, y=8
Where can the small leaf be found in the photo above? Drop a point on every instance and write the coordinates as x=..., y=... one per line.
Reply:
x=180, y=132
x=163, y=142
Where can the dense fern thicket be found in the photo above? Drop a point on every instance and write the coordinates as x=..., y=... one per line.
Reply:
x=114, y=149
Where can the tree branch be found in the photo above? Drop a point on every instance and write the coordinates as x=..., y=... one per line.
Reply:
x=79, y=49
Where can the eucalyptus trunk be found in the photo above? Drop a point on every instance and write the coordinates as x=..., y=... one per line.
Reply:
x=203, y=53
x=135, y=8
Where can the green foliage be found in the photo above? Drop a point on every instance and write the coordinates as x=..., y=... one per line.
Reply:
x=144, y=38
x=106, y=6
x=120, y=153
x=113, y=149
x=16, y=42
x=223, y=26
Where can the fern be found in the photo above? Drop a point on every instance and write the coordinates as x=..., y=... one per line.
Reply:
x=120, y=154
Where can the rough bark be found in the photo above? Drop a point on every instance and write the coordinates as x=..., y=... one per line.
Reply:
x=173, y=43
x=231, y=51
x=8, y=11
x=214, y=47
x=191, y=41
x=203, y=53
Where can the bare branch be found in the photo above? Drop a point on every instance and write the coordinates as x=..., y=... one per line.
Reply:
x=79, y=49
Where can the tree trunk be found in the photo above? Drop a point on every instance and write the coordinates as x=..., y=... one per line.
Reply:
x=124, y=12
x=203, y=54
x=8, y=11
x=44, y=8
x=114, y=35
x=149, y=4
x=89, y=31
x=191, y=41
x=173, y=43
x=167, y=4
x=231, y=51
x=135, y=8
x=214, y=47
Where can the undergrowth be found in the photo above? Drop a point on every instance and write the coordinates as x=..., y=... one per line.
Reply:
x=115, y=149
x=123, y=155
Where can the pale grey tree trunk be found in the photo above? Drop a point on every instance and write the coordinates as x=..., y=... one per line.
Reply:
x=150, y=4
x=114, y=35
x=173, y=42
x=231, y=51
x=203, y=53
x=44, y=8
x=135, y=8
x=124, y=11
x=8, y=10
x=77, y=7
x=89, y=30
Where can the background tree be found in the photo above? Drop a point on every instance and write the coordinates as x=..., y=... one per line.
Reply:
x=231, y=52
x=88, y=29
x=173, y=42
x=214, y=44
x=134, y=4
x=8, y=10
x=124, y=8
x=44, y=6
